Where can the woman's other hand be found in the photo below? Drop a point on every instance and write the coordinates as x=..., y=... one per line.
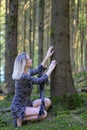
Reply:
x=50, y=52
x=51, y=67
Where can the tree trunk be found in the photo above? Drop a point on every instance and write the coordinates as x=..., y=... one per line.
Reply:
x=25, y=13
x=72, y=32
x=11, y=42
x=33, y=27
x=40, y=31
x=85, y=43
x=30, y=31
x=61, y=80
x=0, y=45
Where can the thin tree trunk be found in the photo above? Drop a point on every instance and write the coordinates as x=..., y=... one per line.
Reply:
x=40, y=31
x=33, y=26
x=30, y=30
x=72, y=32
x=24, y=44
x=0, y=45
x=85, y=43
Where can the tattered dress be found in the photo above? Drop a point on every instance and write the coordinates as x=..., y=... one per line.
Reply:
x=23, y=89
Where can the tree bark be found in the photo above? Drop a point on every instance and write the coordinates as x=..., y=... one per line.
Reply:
x=40, y=31
x=11, y=42
x=61, y=79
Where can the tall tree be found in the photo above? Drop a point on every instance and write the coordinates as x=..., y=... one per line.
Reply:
x=61, y=80
x=0, y=43
x=25, y=15
x=40, y=30
x=21, y=26
x=85, y=41
x=30, y=28
x=47, y=23
x=72, y=31
x=11, y=42
x=2, y=39
x=33, y=27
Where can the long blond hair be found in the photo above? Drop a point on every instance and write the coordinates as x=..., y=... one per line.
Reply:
x=19, y=66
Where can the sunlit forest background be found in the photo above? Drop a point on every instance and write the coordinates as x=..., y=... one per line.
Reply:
x=27, y=28
x=27, y=37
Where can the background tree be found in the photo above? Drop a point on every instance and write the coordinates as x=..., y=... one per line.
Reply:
x=40, y=30
x=11, y=42
x=2, y=41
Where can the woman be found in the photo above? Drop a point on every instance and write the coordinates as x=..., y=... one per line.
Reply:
x=22, y=108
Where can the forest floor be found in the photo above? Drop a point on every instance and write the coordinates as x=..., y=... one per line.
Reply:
x=58, y=117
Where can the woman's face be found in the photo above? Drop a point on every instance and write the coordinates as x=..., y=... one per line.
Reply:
x=28, y=61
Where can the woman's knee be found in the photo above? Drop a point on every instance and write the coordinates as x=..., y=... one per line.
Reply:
x=36, y=103
x=31, y=111
x=47, y=102
x=44, y=116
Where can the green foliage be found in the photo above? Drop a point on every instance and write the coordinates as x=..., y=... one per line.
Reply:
x=5, y=103
x=2, y=123
x=79, y=75
x=80, y=80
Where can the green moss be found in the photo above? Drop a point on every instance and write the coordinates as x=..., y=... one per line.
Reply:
x=68, y=102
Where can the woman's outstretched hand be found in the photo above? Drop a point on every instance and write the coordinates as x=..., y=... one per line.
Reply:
x=50, y=52
x=48, y=55
x=51, y=67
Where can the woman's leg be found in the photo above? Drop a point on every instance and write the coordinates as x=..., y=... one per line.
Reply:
x=19, y=122
x=37, y=103
x=32, y=113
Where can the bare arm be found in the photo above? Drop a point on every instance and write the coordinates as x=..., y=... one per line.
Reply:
x=44, y=77
x=48, y=55
x=51, y=68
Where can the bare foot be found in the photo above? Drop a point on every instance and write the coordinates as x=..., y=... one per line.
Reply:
x=19, y=122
